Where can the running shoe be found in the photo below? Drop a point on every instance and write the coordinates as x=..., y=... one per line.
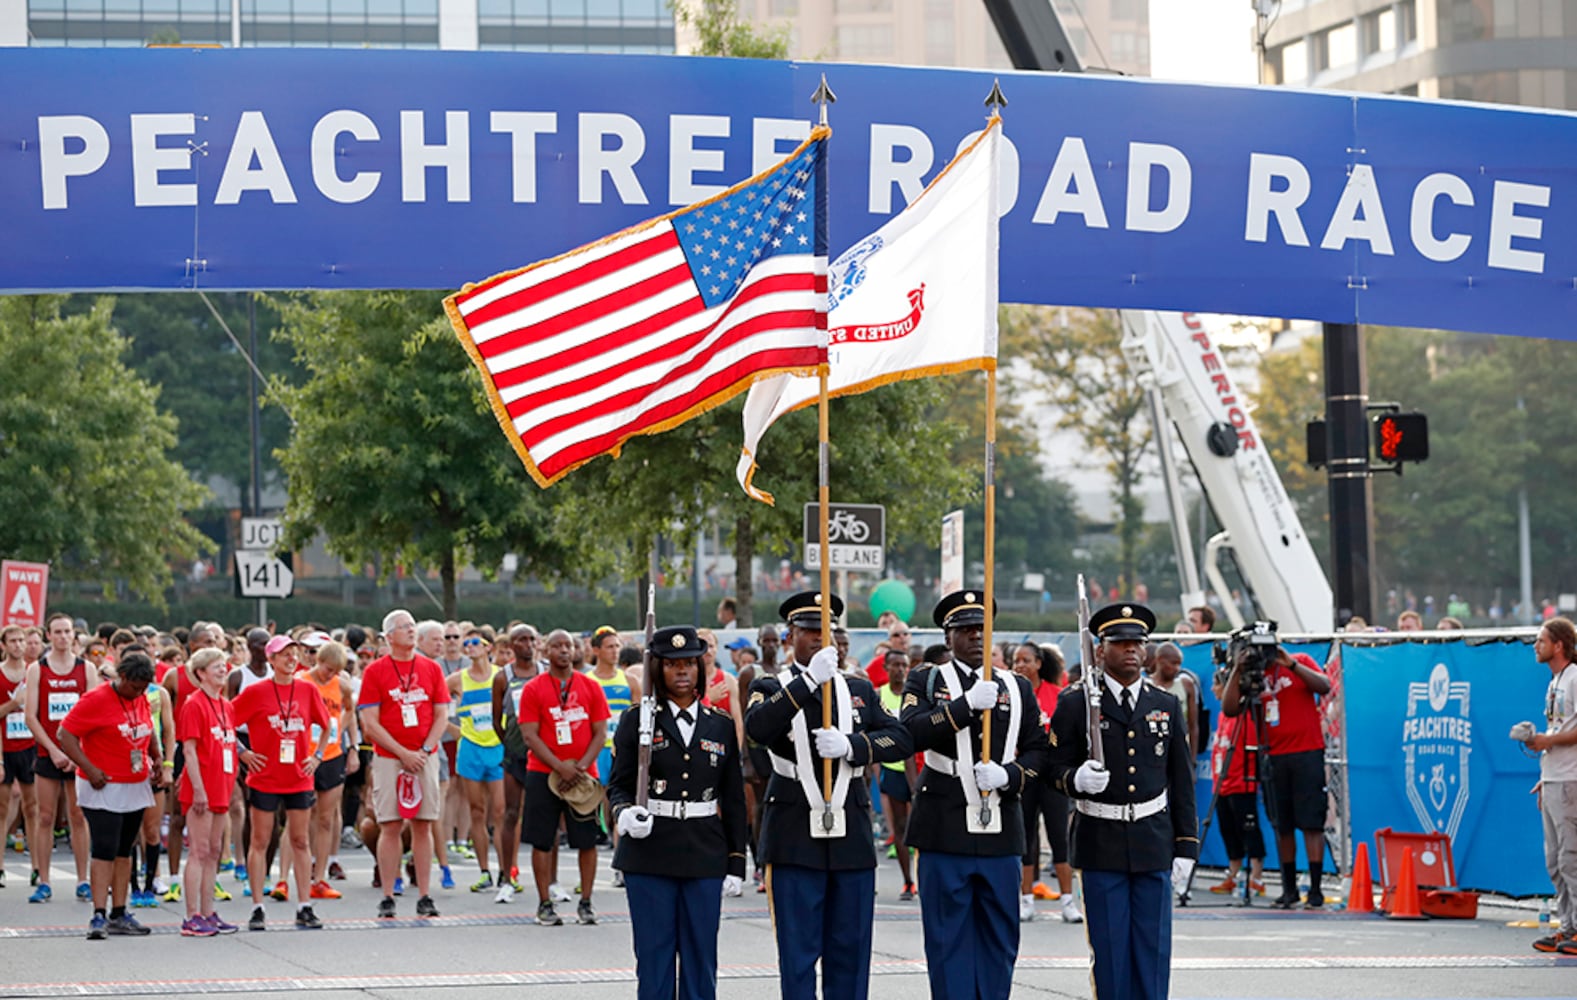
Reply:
x=336, y=872
x=258, y=922
x=1041, y=890
x=196, y=926
x=1551, y=943
x=280, y=891
x=221, y=894
x=584, y=914
x=1567, y=947
x=307, y=920
x=240, y=872
x=160, y=886
x=228, y=864
x=98, y=927
x=84, y=891
x=505, y=894
x=464, y=850
x=547, y=916
x=172, y=894
x=1026, y=907
x=41, y=893
x=386, y=908
x=1071, y=914
x=618, y=879
x=1257, y=887
x=349, y=839
x=425, y=907
x=484, y=883
x=399, y=886
x=1315, y=901
x=447, y=882
x=126, y=925
x=907, y=896
x=322, y=890
x=558, y=894
x=1286, y=901
x=1225, y=887
x=221, y=925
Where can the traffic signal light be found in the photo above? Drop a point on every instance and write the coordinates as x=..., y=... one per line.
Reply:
x=1401, y=437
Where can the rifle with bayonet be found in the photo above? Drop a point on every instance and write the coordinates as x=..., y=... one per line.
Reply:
x=1091, y=679
x=643, y=771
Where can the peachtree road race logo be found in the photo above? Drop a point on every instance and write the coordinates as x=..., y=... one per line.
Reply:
x=873, y=333
x=1437, y=740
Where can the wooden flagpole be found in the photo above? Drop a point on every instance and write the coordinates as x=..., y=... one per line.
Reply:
x=823, y=97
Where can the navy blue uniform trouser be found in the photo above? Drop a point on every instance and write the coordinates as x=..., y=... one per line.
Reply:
x=969, y=910
x=674, y=922
x=823, y=915
x=1129, y=920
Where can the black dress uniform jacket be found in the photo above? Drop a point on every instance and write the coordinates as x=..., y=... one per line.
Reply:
x=933, y=715
x=1146, y=754
x=785, y=815
x=705, y=770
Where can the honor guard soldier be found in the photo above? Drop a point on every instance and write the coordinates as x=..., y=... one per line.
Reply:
x=1134, y=831
x=820, y=855
x=687, y=842
x=966, y=820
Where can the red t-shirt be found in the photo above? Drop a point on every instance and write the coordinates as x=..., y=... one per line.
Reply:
x=876, y=670
x=114, y=732
x=388, y=685
x=211, y=722
x=1294, y=722
x=16, y=734
x=277, y=716
x=1235, y=780
x=572, y=714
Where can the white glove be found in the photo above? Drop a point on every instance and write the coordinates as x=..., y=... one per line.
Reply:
x=1181, y=869
x=1091, y=778
x=991, y=776
x=823, y=665
x=831, y=744
x=636, y=822
x=1522, y=732
x=733, y=885
x=983, y=695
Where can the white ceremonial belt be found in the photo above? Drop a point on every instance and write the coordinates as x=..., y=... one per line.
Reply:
x=681, y=809
x=1122, y=813
x=787, y=768
x=941, y=764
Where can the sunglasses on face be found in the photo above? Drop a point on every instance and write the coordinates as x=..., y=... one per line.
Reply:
x=451, y=637
x=474, y=642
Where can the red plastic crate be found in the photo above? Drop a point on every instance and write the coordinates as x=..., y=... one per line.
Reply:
x=1432, y=864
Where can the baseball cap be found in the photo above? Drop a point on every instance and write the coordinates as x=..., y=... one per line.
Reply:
x=740, y=643
x=316, y=639
x=277, y=643
x=409, y=792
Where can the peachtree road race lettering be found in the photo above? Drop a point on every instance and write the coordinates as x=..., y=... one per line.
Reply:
x=76, y=147
x=885, y=331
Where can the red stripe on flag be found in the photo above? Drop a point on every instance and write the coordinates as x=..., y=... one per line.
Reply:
x=661, y=240
x=617, y=339
x=718, y=382
x=591, y=312
x=790, y=319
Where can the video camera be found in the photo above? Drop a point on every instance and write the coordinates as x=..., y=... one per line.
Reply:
x=1253, y=649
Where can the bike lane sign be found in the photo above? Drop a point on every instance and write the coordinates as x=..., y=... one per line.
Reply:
x=856, y=533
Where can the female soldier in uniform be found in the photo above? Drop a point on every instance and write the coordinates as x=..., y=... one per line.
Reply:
x=687, y=844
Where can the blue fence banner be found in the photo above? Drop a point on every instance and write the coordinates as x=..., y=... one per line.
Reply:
x=1428, y=749
x=296, y=168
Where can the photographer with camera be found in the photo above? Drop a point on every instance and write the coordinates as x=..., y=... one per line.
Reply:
x=1281, y=690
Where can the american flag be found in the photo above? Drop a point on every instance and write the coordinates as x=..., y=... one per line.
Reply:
x=639, y=332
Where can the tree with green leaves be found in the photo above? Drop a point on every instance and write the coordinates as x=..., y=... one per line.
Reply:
x=86, y=473
x=720, y=31
x=395, y=452
x=1077, y=357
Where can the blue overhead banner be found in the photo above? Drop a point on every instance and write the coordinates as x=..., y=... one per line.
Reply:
x=260, y=168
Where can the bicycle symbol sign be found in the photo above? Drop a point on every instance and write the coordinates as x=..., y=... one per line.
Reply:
x=856, y=536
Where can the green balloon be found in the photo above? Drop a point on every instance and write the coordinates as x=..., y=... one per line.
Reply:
x=892, y=595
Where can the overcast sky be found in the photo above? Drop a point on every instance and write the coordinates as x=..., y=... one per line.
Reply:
x=1202, y=40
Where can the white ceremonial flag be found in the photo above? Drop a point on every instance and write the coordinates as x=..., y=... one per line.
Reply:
x=916, y=298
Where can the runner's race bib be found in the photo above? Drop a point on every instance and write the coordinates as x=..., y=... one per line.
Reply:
x=287, y=752
x=61, y=703
x=16, y=727
x=482, y=717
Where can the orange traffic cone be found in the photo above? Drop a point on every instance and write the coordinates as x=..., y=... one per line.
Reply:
x=1404, y=902
x=1361, y=898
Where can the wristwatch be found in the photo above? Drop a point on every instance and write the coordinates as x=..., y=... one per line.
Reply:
x=429, y=750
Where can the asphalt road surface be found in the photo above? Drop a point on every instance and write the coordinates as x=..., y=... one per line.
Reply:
x=480, y=950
